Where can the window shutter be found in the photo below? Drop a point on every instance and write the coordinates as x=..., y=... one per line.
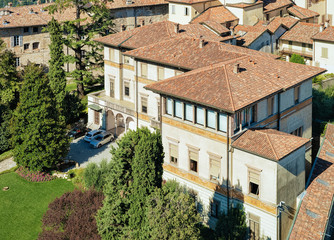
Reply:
x=215, y=167
x=20, y=41
x=173, y=150
x=324, y=52
x=254, y=177
x=12, y=41
x=193, y=155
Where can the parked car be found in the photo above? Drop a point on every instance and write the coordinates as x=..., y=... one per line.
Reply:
x=101, y=139
x=92, y=134
x=77, y=132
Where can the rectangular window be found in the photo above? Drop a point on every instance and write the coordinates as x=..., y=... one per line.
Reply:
x=26, y=29
x=215, y=167
x=237, y=120
x=173, y=153
x=298, y=132
x=310, y=46
x=35, y=29
x=270, y=106
x=161, y=73
x=173, y=9
x=112, y=86
x=169, y=106
x=193, y=159
x=126, y=59
x=211, y=119
x=159, y=110
x=127, y=89
x=296, y=94
x=254, y=227
x=189, y=114
x=96, y=117
x=26, y=46
x=35, y=45
x=200, y=115
x=111, y=54
x=214, y=208
x=16, y=41
x=253, y=114
x=143, y=69
x=178, y=108
x=267, y=17
x=186, y=11
x=17, y=62
x=144, y=104
x=254, y=182
x=222, y=122
x=290, y=43
x=324, y=52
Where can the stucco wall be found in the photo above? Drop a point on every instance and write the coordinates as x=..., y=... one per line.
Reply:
x=327, y=63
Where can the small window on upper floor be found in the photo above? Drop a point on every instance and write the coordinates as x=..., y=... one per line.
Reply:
x=270, y=106
x=199, y=115
x=26, y=29
x=169, y=106
x=186, y=11
x=211, y=119
x=296, y=94
x=281, y=13
x=144, y=104
x=310, y=46
x=161, y=73
x=298, y=132
x=35, y=29
x=111, y=54
x=222, y=122
x=173, y=153
x=215, y=167
x=26, y=46
x=267, y=17
x=188, y=112
x=173, y=9
x=254, y=182
x=35, y=45
x=290, y=43
x=178, y=109
x=143, y=68
x=127, y=88
x=17, y=62
x=324, y=52
x=193, y=159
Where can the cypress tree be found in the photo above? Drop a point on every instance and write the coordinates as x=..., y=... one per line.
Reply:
x=39, y=137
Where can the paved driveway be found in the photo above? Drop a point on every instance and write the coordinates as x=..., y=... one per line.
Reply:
x=83, y=153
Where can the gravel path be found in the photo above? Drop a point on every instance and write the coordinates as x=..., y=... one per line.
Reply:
x=7, y=164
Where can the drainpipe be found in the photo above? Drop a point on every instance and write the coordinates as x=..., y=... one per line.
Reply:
x=160, y=114
x=278, y=111
x=228, y=163
x=137, y=92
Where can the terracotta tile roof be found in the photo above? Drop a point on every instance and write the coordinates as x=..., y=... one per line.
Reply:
x=302, y=32
x=32, y=15
x=186, y=53
x=156, y=32
x=244, y=5
x=250, y=33
x=269, y=143
x=218, y=14
x=287, y=22
x=271, y=5
x=314, y=212
x=219, y=87
x=215, y=26
x=115, y=4
x=190, y=1
x=325, y=35
x=302, y=13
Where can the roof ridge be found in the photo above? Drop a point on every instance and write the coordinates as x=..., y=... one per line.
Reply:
x=298, y=10
x=272, y=147
x=229, y=88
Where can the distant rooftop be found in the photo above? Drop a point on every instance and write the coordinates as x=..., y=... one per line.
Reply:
x=325, y=35
x=218, y=14
x=302, y=13
x=302, y=32
x=271, y=5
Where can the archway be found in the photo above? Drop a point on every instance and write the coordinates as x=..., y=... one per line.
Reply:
x=130, y=124
x=110, y=120
x=120, y=126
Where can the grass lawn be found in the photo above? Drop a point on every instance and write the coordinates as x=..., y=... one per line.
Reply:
x=23, y=206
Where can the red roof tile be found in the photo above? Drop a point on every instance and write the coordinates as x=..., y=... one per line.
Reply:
x=314, y=212
x=244, y=5
x=190, y=1
x=325, y=35
x=215, y=26
x=156, y=32
x=302, y=13
x=115, y=4
x=271, y=5
x=250, y=33
x=302, y=32
x=269, y=143
x=218, y=14
x=219, y=87
x=287, y=22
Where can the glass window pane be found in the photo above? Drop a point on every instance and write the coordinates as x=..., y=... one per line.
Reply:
x=178, y=108
x=200, y=115
x=189, y=112
x=222, y=122
x=211, y=119
x=169, y=106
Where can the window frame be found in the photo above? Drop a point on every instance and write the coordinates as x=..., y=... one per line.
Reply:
x=111, y=53
x=112, y=83
x=253, y=171
x=197, y=115
x=126, y=88
x=324, y=52
x=186, y=11
x=171, y=158
x=213, y=160
x=192, y=151
x=143, y=66
x=26, y=46
x=17, y=62
x=35, y=29
x=162, y=77
x=34, y=45
x=270, y=106
x=144, y=107
x=173, y=9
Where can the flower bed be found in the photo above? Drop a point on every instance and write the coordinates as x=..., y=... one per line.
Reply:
x=34, y=176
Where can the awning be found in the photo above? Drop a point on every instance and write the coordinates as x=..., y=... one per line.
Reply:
x=95, y=107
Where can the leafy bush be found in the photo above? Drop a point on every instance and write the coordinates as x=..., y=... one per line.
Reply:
x=320, y=78
x=72, y=216
x=95, y=176
x=323, y=104
x=34, y=176
x=76, y=175
x=295, y=58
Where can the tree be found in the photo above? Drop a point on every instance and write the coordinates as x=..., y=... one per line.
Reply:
x=95, y=176
x=92, y=18
x=56, y=73
x=295, y=58
x=147, y=175
x=39, y=134
x=232, y=225
x=171, y=214
x=72, y=216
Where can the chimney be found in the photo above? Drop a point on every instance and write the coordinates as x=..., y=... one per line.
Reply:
x=236, y=68
x=201, y=43
x=177, y=28
x=321, y=27
x=327, y=23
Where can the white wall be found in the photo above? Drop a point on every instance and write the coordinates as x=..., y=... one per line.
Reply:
x=238, y=12
x=301, y=3
x=327, y=63
x=179, y=16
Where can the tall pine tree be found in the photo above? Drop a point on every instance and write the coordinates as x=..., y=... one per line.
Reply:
x=92, y=19
x=39, y=137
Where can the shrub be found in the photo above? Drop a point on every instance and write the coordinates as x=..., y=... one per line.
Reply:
x=295, y=58
x=72, y=216
x=34, y=176
x=95, y=176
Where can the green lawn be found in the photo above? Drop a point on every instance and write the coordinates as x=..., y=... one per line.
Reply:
x=23, y=206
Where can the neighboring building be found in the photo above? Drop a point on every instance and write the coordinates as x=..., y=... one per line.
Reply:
x=298, y=40
x=274, y=8
x=249, y=12
x=324, y=49
x=315, y=216
x=303, y=14
x=324, y=7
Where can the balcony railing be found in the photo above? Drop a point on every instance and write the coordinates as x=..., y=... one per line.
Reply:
x=293, y=51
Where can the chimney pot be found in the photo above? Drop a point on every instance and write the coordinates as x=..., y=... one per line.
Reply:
x=321, y=27
x=236, y=68
x=177, y=28
x=201, y=43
